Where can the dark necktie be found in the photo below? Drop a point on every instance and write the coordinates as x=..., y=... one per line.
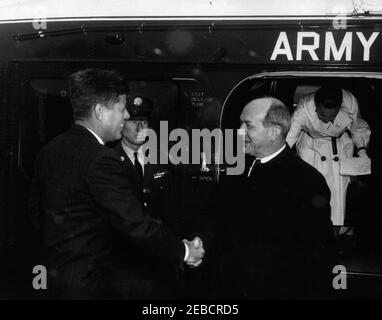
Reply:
x=255, y=164
x=138, y=165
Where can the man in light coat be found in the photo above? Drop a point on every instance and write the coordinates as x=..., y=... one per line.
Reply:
x=326, y=127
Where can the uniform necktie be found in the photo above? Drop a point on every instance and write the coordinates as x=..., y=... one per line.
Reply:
x=255, y=164
x=138, y=165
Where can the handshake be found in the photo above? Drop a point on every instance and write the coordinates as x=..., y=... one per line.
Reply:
x=195, y=252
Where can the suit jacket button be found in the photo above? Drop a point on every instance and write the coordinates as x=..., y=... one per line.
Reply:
x=336, y=159
x=145, y=204
x=323, y=158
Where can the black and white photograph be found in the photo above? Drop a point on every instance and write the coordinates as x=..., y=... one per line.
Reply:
x=216, y=151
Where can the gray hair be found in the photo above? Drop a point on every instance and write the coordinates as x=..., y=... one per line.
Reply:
x=278, y=115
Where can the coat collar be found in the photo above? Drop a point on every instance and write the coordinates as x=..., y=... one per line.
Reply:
x=285, y=153
x=77, y=129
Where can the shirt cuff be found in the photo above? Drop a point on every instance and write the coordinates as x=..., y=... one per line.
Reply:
x=186, y=253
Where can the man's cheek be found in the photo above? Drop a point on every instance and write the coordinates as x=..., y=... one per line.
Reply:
x=142, y=134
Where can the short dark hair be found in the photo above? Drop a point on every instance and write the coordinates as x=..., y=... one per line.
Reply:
x=328, y=96
x=91, y=86
x=278, y=115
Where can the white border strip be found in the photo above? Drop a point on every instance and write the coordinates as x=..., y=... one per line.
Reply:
x=202, y=18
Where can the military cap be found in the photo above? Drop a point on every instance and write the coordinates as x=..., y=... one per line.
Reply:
x=139, y=107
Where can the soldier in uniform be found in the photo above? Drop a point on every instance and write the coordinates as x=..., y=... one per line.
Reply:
x=155, y=187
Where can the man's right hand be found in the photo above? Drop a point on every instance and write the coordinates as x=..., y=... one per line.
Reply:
x=196, y=252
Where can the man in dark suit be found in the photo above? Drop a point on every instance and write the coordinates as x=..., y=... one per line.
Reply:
x=86, y=196
x=275, y=218
x=155, y=188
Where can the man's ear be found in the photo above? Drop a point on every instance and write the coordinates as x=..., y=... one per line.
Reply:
x=276, y=131
x=98, y=111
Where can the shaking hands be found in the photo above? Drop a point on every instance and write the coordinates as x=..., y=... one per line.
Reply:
x=195, y=252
